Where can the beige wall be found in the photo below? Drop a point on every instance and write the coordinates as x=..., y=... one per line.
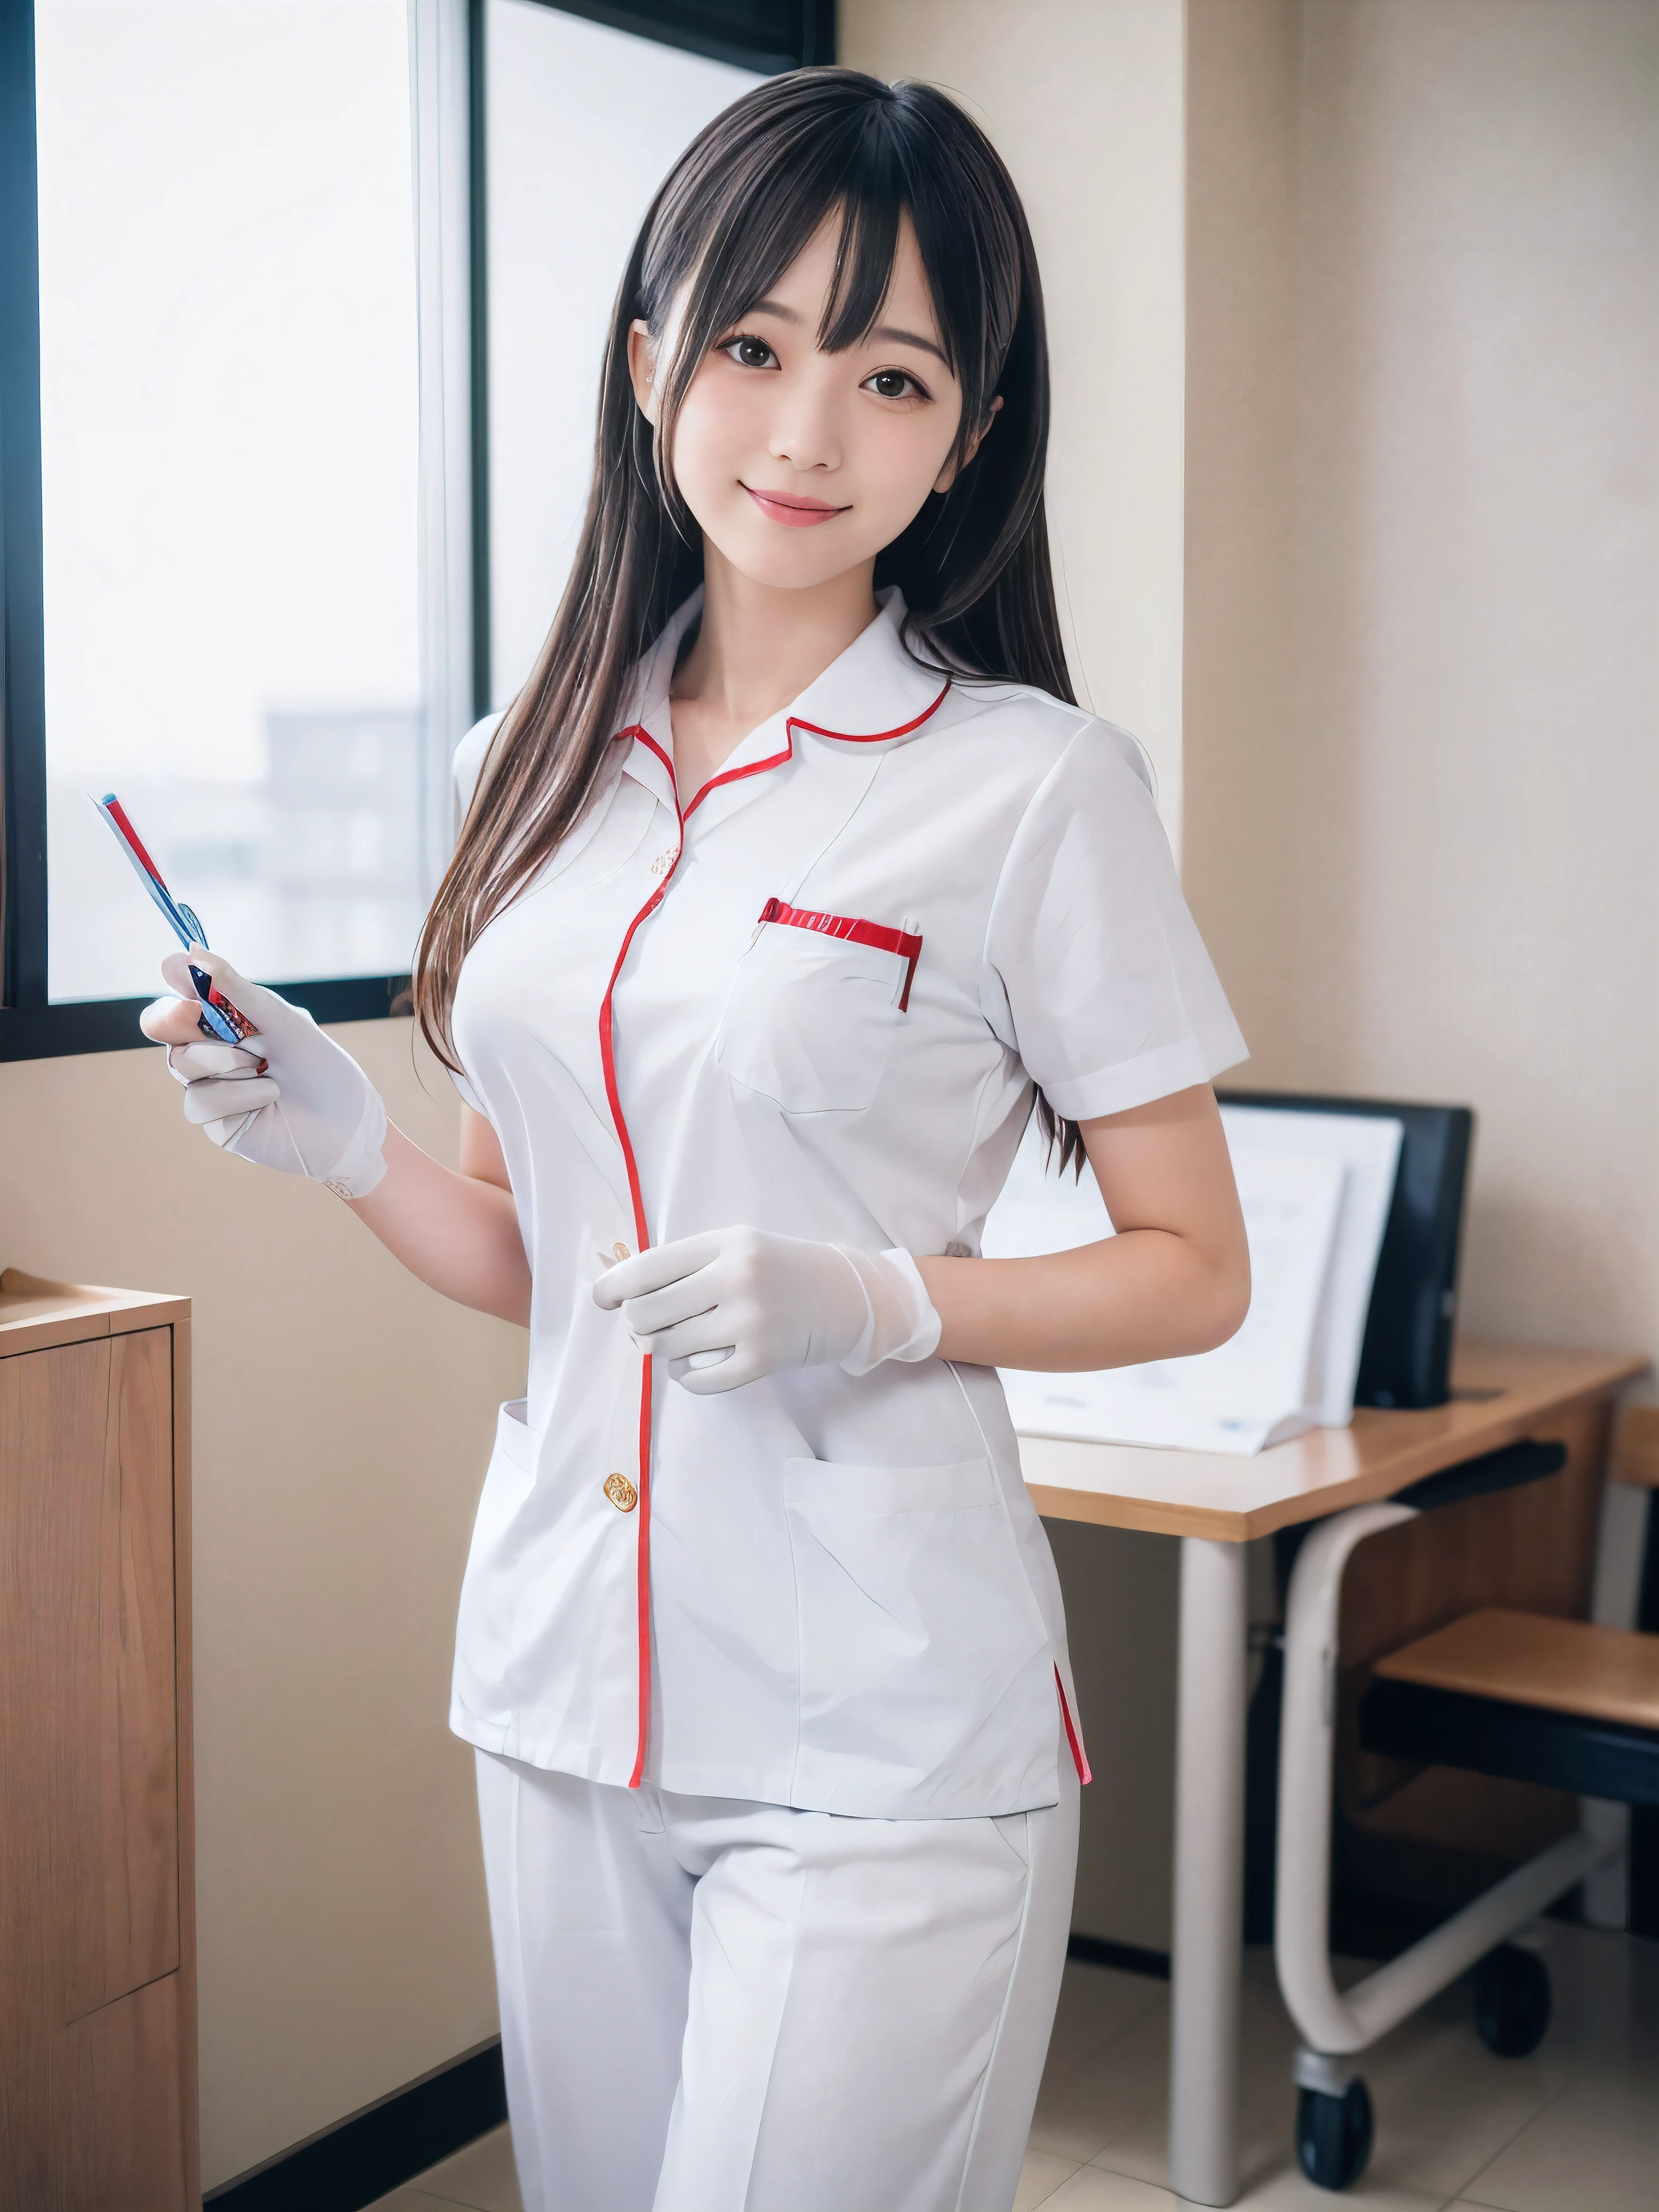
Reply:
x=1445, y=886
x=1478, y=759
x=1239, y=588
x=342, y=1417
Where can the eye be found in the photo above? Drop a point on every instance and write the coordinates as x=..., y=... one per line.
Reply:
x=895, y=384
x=749, y=351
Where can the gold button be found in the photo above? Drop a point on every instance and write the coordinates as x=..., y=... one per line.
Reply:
x=663, y=862
x=621, y=1493
x=620, y=1252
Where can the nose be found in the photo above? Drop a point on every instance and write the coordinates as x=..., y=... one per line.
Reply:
x=805, y=432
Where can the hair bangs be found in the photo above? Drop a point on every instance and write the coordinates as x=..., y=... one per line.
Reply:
x=713, y=254
x=872, y=211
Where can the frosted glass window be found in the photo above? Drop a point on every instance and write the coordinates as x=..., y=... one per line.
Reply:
x=228, y=431
x=584, y=124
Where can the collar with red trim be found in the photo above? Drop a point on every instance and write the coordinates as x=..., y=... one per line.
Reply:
x=874, y=693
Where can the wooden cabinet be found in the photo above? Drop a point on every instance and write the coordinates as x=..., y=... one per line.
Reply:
x=97, y=1949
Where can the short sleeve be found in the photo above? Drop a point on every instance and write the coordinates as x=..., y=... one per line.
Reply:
x=1103, y=987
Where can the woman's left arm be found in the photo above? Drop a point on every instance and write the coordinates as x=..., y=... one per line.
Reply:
x=1174, y=1278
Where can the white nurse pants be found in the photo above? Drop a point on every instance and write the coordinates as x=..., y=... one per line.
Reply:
x=713, y=2005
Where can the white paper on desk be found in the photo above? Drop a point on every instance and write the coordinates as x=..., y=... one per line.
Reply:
x=1368, y=1144
x=1257, y=1389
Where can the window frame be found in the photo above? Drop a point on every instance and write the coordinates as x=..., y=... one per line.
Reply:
x=32, y=1026
x=700, y=30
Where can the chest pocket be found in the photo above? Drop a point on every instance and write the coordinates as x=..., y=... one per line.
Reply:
x=814, y=1007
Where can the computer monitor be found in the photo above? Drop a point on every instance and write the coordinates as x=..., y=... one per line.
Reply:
x=1406, y=1359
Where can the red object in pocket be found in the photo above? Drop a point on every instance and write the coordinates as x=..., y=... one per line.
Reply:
x=873, y=933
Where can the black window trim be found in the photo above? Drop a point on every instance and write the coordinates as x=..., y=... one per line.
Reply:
x=701, y=30
x=31, y=1026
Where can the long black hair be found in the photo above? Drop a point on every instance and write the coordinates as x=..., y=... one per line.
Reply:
x=738, y=209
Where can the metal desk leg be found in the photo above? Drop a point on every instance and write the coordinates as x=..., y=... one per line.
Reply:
x=1209, y=1873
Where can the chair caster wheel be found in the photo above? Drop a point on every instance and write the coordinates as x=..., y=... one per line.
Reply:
x=1511, y=2001
x=1333, y=2135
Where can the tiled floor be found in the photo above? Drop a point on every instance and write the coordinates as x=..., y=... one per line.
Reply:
x=1573, y=2129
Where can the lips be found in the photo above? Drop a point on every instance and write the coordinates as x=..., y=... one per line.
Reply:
x=794, y=510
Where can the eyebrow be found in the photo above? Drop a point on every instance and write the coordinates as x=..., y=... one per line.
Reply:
x=882, y=330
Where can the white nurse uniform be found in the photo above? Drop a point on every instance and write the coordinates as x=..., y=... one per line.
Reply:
x=812, y=997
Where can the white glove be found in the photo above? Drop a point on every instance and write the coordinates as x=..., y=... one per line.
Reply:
x=312, y=1111
x=733, y=1305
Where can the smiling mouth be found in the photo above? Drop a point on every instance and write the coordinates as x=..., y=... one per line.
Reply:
x=793, y=509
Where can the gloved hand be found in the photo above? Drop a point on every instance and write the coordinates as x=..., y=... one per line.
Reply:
x=311, y=1112
x=733, y=1305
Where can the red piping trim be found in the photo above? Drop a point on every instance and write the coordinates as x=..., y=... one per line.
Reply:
x=876, y=736
x=735, y=774
x=873, y=933
x=641, y=1242
x=645, y=738
x=1079, y=1758
x=776, y=760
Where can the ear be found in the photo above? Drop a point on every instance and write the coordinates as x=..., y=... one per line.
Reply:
x=641, y=367
x=951, y=470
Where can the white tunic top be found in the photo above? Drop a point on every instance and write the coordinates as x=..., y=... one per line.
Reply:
x=812, y=997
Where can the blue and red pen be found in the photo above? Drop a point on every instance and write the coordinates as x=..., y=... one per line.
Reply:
x=218, y=1017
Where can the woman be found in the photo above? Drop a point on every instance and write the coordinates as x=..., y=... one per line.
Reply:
x=791, y=880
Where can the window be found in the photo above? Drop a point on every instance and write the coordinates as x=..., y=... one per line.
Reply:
x=229, y=450
x=244, y=474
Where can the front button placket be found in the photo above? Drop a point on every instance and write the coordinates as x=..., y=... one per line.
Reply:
x=654, y=767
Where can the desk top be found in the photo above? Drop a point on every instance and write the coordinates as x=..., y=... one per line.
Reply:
x=1503, y=1392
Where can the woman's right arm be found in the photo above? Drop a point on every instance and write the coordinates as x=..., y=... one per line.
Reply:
x=291, y=1099
x=457, y=1229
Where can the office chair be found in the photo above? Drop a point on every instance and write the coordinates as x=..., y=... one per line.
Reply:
x=1570, y=1704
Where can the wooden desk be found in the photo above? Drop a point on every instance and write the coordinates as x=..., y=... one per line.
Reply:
x=1215, y=1503
x=1503, y=1390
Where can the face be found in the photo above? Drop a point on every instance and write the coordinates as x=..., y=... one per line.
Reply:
x=799, y=464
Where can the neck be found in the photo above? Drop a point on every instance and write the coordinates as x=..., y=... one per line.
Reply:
x=757, y=648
